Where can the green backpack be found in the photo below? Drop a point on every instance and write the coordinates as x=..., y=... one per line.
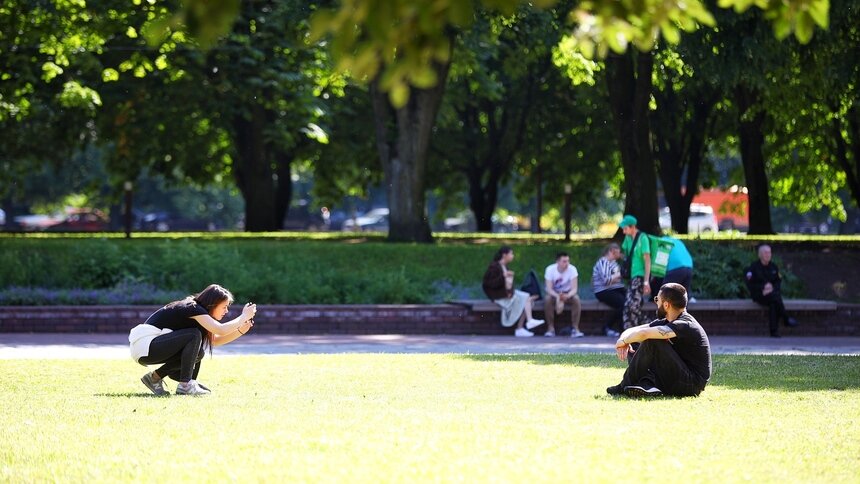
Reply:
x=660, y=249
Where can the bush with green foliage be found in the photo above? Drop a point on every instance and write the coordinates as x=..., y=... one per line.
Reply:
x=72, y=270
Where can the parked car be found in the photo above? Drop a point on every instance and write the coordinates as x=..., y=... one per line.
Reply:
x=302, y=216
x=165, y=221
x=374, y=220
x=82, y=220
x=702, y=219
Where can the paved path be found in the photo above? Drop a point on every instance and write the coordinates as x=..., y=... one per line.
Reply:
x=81, y=346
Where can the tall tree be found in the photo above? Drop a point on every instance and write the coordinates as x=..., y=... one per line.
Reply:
x=247, y=108
x=403, y=137
x=816, y=106
x=45, y=102
x=628, y=80
x=685, y=99
x=500, y=69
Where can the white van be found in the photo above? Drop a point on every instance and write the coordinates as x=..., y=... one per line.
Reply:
x=702, y=219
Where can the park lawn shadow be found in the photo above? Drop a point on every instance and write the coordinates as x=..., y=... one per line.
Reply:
x=794, y=373
x=130, y=395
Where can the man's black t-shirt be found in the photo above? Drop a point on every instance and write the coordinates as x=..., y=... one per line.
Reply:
x=178, y=315
x=691, y=343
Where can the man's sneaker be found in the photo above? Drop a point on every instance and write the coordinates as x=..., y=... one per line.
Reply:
x=576, y=334
x=523, y=333
x=549, y=334
x=533, y=323
x=190, y=388
x=612, y=333
x=615, y=390
x=155, y=387
x=637, y=391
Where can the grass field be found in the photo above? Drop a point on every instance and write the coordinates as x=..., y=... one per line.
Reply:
x=464, y=418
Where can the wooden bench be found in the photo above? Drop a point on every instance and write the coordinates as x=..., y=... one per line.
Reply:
x=718, y=316
x=485, y=305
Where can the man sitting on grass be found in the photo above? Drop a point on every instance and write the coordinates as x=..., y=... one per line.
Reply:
x=674, y=354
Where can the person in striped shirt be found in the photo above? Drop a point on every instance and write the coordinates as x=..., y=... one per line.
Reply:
x=609, y=288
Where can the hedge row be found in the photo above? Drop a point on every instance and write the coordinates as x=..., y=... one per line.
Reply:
x=148, y=271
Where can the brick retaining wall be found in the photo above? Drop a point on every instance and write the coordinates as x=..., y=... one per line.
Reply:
x=407, y=319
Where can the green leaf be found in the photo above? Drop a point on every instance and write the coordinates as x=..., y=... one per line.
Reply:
x=423, y=77
x=819, y=10
x=670, y=32
x=399, y=94
x=781, y=28
x=805, y=28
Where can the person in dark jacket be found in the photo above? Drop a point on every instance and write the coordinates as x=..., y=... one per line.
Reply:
x=516, y=305
x=765, y=284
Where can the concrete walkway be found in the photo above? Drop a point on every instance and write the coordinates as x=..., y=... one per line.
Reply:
x=87, y=346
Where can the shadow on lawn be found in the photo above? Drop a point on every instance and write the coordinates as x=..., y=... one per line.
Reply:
x=797, y=373
x=130, y=395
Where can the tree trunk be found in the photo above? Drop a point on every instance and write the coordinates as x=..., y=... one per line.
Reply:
x=751, y=122
x=283, y=188
x=254, y=175
x=538, y=200
x=852, y=171
x=403, y=152
x=680, y=129
x=483, y=197
x=628, y=78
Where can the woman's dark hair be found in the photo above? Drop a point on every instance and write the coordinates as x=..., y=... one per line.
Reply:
x=674, y=294
x=501, y=252
x=213, y=296
x=210, y=297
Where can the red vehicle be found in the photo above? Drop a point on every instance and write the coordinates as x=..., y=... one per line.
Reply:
x=82, y=220
x=730, y=206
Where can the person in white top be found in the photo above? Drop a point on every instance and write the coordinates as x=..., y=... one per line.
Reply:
x=561, y=281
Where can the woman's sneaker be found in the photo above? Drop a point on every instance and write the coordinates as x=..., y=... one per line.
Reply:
x=190, y=388
x=156, y=387
x=534, y=323
x=523, y=333
x=577, y=334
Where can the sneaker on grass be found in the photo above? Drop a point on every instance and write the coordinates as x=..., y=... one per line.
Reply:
x=156, y=387
x=190, y=388
x=640, y=391
x=523, y=333
x=615, y=390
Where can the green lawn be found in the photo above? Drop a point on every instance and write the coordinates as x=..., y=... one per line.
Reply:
x=405, y=418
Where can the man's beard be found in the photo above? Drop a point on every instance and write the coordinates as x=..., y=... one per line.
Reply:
x=661, y=313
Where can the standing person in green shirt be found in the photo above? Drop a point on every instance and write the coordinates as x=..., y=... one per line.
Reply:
x=636, y=249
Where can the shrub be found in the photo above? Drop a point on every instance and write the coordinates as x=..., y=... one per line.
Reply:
x=78, y=270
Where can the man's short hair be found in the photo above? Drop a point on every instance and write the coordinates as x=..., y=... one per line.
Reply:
x=674, y=294
x=559, y=255
x=609, y=248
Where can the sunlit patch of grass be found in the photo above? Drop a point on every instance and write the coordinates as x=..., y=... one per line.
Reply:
x=354, y=417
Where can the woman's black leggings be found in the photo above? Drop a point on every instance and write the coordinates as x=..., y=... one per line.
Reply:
x=181, y=352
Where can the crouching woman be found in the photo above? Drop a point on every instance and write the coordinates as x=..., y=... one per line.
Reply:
x=177, y=335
